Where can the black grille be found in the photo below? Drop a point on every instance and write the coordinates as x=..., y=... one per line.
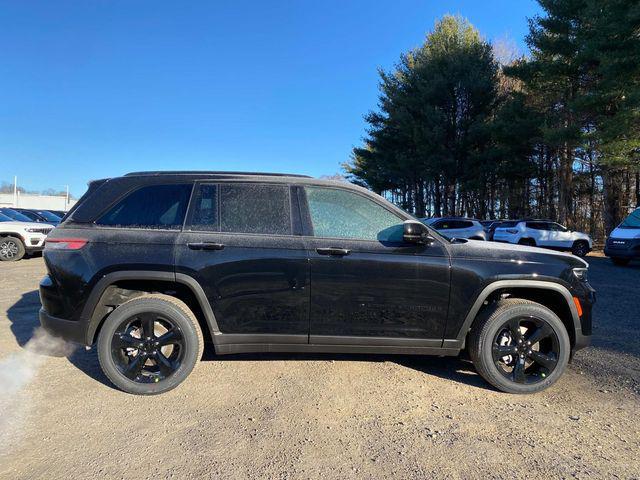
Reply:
x=44, y=231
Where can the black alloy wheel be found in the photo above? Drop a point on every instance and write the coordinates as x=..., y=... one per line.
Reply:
x=525, y=350
x=519, y=346
x=580, y=249
x=147, y=348
x=150, y=344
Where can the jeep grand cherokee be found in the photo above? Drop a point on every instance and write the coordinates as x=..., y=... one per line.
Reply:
x=150, y=264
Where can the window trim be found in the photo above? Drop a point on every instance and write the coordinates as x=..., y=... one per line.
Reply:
x=131, y=191
x=308, y=224
x=293, y=208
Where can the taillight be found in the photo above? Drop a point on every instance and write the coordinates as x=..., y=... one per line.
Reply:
x=65, y=243
x=511, y=231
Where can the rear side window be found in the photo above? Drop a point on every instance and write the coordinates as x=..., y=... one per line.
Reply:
x=255, y=208
x=452, y=224
x=537, y=225
x=508, y=224
x=340, y=214
x=154, y=206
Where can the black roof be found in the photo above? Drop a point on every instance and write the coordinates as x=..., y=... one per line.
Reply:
x=215, y=173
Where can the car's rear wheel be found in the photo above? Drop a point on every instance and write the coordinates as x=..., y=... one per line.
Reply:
x=519, y=346
x=580, y=248
x=150, y=344
x=11, y=249
x=621, y=262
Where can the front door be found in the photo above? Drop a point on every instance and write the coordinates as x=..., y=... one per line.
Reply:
x=365, y=281
x=241, y=244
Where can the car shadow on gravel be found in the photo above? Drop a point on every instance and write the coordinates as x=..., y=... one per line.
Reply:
x=455, y=369
x=23, y=316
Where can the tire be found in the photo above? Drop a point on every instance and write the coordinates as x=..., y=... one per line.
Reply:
x=580, y=248
x=155, y=367
x=529, y=242
x=11, y=249
x=621, y=262
x=536, y=376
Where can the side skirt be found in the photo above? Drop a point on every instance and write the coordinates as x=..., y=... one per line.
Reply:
x=226, y=344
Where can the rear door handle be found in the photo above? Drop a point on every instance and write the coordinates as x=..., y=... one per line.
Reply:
x=339, y=252
x=205, y=246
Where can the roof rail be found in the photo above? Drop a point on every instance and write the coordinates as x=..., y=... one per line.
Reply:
x=212, y=172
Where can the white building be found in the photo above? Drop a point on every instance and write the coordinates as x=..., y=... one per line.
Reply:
x=35, y=201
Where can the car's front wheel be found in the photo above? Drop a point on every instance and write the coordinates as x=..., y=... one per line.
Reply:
x=580, y=248
x=149, y=344
x=11, y=249
x=519, y=346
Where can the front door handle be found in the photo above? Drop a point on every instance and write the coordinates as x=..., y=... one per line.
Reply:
x=339, y=252
x=205, y=246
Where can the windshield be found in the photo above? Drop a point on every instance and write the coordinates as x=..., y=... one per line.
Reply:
x=632, y=221
x=49, y=216
x=4, y=218
x=17, y=216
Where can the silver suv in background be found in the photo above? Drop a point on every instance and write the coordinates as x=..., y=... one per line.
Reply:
x=544, y=233
x=454, y=227
x=18, y=238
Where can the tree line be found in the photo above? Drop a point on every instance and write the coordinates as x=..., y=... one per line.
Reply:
x=462, y=129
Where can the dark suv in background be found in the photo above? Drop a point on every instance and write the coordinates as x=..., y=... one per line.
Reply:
x=150, y=264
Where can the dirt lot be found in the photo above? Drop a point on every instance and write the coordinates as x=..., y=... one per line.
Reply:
x=300, y=416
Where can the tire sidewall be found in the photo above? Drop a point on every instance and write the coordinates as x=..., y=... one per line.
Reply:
x=497, y=322
x=21, y=248
x=130, y=309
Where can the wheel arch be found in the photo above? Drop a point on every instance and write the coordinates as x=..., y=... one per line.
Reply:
x=13, y=234
x=552, y=295
x=117, y=287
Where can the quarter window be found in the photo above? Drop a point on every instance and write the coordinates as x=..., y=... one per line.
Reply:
x=154, y=206
x=338, y=213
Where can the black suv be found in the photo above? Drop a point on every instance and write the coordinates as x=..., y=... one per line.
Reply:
x=150, y=264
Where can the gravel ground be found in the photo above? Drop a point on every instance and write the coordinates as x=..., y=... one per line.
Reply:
x=330, y=416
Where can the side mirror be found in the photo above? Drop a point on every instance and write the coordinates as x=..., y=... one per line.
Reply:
x=416, y=232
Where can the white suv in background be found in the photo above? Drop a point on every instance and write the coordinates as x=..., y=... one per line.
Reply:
x=543, y=233
x=457, y=227
x=20, y=238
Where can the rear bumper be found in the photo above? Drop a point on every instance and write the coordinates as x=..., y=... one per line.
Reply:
x=69, y=330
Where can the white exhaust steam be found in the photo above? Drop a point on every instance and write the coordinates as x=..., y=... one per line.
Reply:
x=16, y=372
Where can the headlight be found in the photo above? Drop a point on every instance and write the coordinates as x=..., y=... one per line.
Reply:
x=581, y=274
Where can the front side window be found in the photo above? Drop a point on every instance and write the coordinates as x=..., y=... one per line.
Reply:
x=154, y=206
x=255, y=208
x=339, y=213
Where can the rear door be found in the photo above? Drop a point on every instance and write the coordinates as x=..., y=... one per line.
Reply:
x=365, y=281
x=242, y=242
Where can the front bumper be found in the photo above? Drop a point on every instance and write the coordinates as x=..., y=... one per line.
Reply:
x=34, y=242
x=69, y=330
x=622, y=248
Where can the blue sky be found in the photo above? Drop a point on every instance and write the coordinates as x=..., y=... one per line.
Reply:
x=92, y=89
